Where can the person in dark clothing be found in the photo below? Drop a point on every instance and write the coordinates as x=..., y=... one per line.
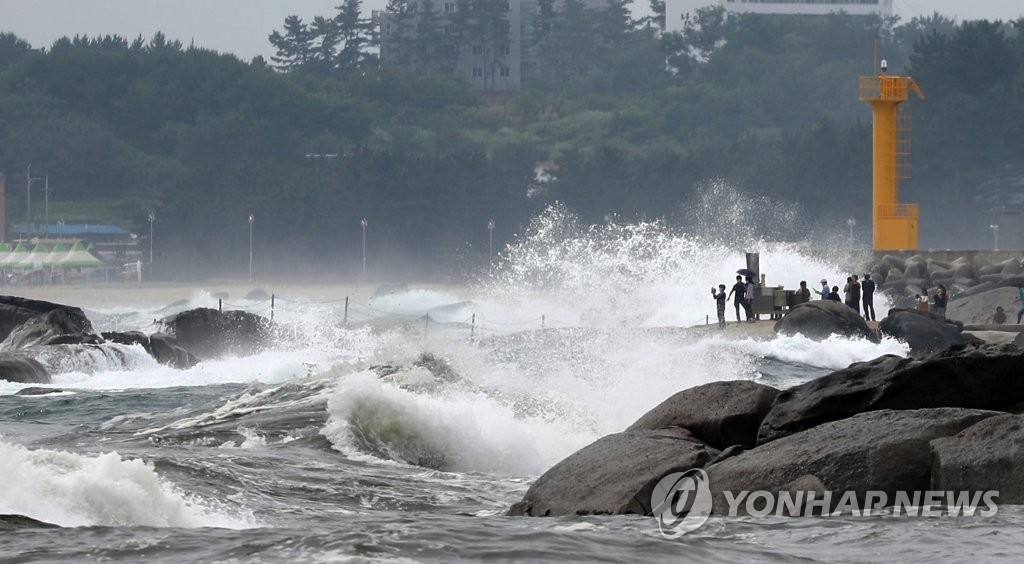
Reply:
x=834, y=295
x=748, y=300
x=720, y=298
x=740, y=289
x=999, y=317
x=855, y=294
x=869, y=297
x=941, y=298
x=803, y=294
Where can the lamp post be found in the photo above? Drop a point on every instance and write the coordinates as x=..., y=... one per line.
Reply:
x=152, y=218
x=363, y=223
x=60, y=223
x=250, y=246
x=28, y=198
x=490, y=245
x=46, y=205
x=850, y=223
x=995, y=235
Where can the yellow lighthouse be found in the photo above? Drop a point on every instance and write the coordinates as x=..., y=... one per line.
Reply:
x=894, y=224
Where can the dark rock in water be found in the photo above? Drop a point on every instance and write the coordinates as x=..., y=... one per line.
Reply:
x=821, y=319
x=208, y=333
x=25, y=322
x=614, y=475
x=37, y=391
x=23, y=370
x=925, y=332
x=14, y=521
x=257, y=295
x=967, y=376
x=885, y=451
x=164, y=348
x=986, y=456
x=720, y=414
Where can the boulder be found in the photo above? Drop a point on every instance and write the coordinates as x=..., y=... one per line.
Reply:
x=614, y=475
x=26, y=322
x=967, y=376
x=36, y=391
x=977, y=305
x=886, y=451
x=23, y=370
x=989, y=455
x=164, y=348
x=208, y=333
x=925, y=332
x=821, y=319
x=720, y=414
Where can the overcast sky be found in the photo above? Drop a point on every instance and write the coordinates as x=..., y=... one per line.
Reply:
x=242, y=26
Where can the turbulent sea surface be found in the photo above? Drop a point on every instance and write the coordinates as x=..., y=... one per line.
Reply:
x=407, y=433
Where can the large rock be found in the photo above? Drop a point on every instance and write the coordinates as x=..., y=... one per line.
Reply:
x=977, y=305
x=967, y=376
x=820, y=319
x=925, y=332
x=25, y=323
x=614, y=475
x=986, y=456
x=720, y=414
x=164, y=348
x=209, y=333
x=23, y=370
x=885, y=451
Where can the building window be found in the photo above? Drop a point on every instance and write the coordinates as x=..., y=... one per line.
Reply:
x=506, y=50
x=478, y=72
x=449, y=7
x=478, y=50
x=387, y=29
x=506, y=72
x=449, y=29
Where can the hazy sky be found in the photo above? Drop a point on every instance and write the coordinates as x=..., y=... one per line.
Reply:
x=242, y=26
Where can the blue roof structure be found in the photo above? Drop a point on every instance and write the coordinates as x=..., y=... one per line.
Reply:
x=71, y=229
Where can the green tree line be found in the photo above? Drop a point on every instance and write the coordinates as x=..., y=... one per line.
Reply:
x=636, y=120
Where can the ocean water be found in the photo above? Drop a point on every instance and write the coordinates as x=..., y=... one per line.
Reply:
x=407, y=433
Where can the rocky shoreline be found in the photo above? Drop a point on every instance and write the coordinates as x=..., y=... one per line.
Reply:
x=951, y=417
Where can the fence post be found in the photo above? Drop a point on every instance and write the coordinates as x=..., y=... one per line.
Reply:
x=707, y=320
x=426, y=320
x=472, y=328
x=346, y=311
x=220, y=305
x=543, y=321
x=272, y=306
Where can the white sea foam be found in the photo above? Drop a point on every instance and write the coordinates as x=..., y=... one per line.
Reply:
x=106, y=490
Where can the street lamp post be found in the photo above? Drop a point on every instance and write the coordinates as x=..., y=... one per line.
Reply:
x=152, y=217
x=490, y=245
x=995, y=235
x=250, y=246
x=363, y=223
x=60, y=223
x=850, y=223
x=28, y=198
x=46, y=205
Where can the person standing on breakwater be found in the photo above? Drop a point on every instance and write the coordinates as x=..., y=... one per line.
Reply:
x=834, y=294
x=824, y=293
x=740, y=290
x=803, y=293
x=720, y=298
x=999, y=317
x=941, y=298
x=869, y=297
x=1020, y=298
x=855, y=294
x=748, y=302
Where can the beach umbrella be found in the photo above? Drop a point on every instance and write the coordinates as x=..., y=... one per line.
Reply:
x=14, y=257
x=78, y=257
x=58, y=253
x=35, y=258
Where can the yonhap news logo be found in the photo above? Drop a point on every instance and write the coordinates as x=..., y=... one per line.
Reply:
x=682, y=502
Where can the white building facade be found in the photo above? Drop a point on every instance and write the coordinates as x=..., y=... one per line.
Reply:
x=680, y=13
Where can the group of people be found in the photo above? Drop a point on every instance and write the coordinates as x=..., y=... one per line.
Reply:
x=744, y=296
x=855, y=293
x=940, y=299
